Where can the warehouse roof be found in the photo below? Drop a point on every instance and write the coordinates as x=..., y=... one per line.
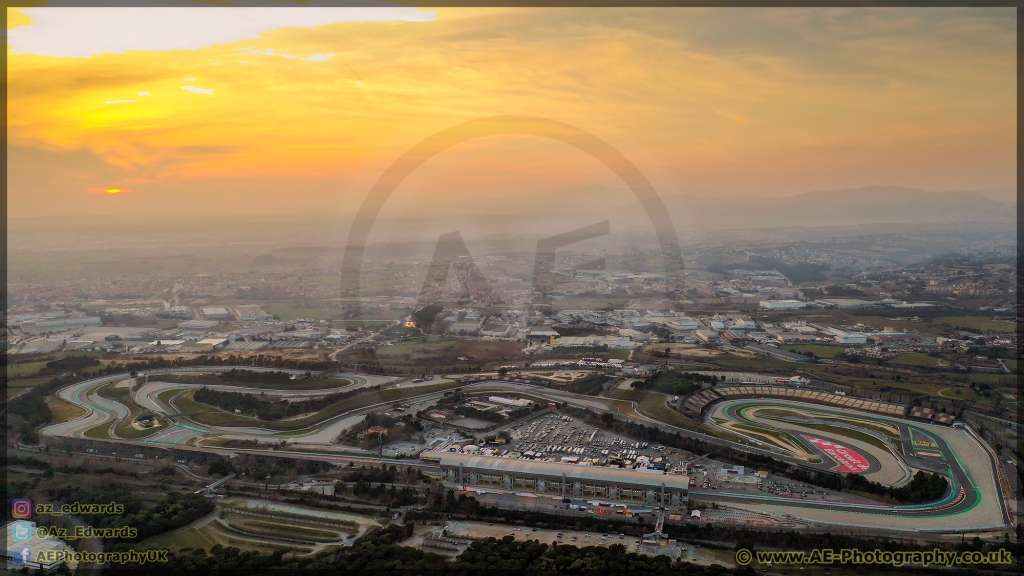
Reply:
x=571, y=471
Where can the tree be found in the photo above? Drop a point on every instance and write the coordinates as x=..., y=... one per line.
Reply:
x=261, y=472
x=220, y=466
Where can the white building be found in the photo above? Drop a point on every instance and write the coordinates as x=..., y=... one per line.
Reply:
x=215, y=312
x=59, y=325
x=707, y=336
x=251, y=312
x=782, y=304
x=26, y=549
x=675, y=323
x=846, y=303
x=851, y=338
x=743, y=323
x=635, y=335
x=515, y=402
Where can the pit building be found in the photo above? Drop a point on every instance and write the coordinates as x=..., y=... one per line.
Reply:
x=563, y=480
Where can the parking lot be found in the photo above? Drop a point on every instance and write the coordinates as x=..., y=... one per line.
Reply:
x=560, y=437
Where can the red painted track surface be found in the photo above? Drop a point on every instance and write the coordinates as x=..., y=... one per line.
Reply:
x=849, y=460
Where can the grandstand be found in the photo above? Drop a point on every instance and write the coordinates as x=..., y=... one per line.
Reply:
x=930, y=415
x=698, y=403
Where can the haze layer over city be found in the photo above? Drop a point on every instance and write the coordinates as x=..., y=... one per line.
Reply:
x=304, y=287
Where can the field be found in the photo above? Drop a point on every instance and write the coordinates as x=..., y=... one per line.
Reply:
x=818, y=349
x=206, y=414
x=285, y=530
x=300, y=384
x=485, y=351
x=62, y=411
x=286, y=312
x=248, y=528
x=166, y=395
x=210, y=415
x=208, y=536
x=417, y=348
x=25, y=369
x=653, y=404
x=101, y=431
x=976, y=323
x=17, y=387
x=175, y=540
x=754, y=363
x=917, y=359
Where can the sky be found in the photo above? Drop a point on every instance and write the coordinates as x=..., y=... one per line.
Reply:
x=298, y=111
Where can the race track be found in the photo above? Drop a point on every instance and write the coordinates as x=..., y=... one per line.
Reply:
x=973, y=502
x=882, y=448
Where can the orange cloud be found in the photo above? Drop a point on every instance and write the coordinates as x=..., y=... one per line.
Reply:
x=655, y=84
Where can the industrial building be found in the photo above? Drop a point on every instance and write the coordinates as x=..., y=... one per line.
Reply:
x=708, y=336
x=563, y=480
x=782, y=304
x=59, y=324
x=251, y=312
x=846, y=303
x=513, y=402
x=26, y=548
x=197, y=324
x=204, y=345
x=216, y=312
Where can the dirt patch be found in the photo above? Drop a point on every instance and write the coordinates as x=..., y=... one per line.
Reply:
x=683, y=350
x=283, y=353
x=486, y=351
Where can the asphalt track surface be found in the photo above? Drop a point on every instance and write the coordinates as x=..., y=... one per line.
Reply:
x=974, y=502
x=883, y=465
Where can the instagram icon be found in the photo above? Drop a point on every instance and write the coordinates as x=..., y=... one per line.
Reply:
x=21, y=508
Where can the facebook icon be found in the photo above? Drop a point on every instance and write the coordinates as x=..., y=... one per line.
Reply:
x=22, y=554
x=21, y=531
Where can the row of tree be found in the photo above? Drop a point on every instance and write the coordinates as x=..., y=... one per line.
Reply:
x=266, y=407
x=668, y=382
x=377, y=555
x=169, y=513
x=923, y=487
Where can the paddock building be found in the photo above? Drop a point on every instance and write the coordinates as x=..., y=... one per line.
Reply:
x=563, y=480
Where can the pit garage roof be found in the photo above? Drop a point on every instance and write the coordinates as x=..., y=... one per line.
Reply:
x=554, y=469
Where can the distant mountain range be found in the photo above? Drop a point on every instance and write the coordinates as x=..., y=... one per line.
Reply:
x=557, y=212
x=854, y=211
x=857, y=206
